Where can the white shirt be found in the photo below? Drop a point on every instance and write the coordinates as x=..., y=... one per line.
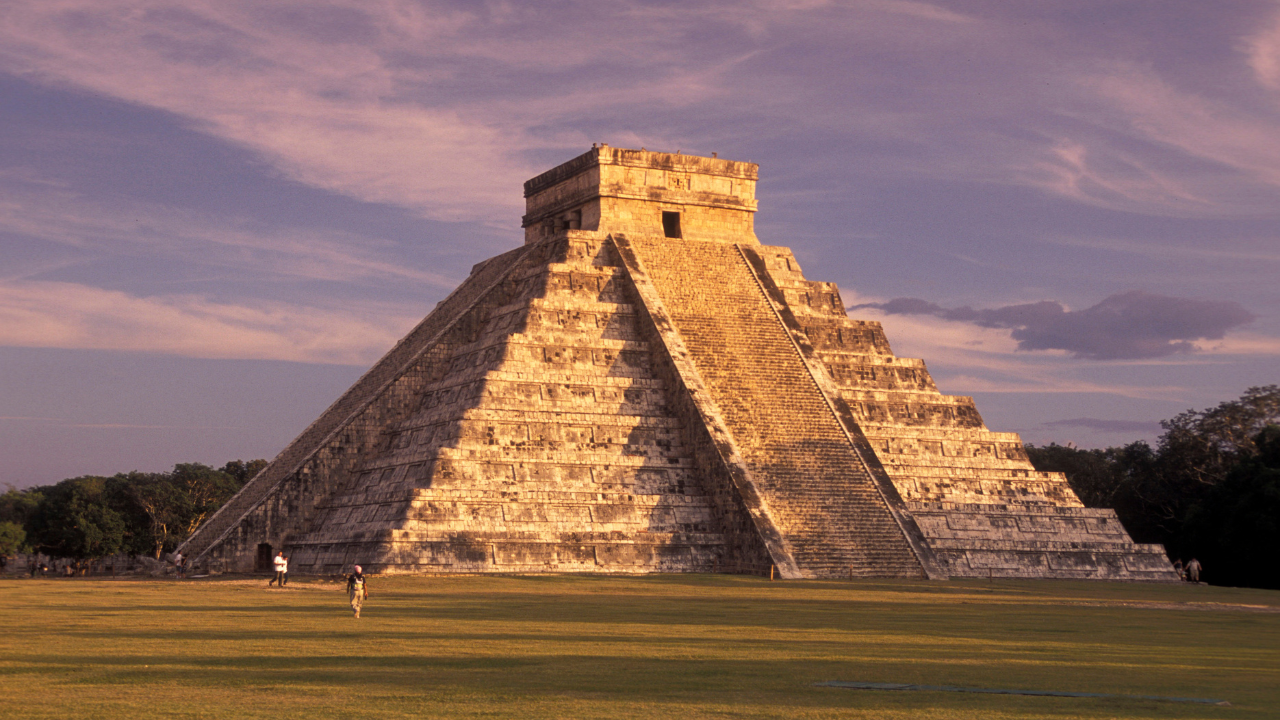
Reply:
x=282, y=565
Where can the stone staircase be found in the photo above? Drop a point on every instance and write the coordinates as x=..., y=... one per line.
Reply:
x=817, y=492
x=545, y=442
x=980, y=505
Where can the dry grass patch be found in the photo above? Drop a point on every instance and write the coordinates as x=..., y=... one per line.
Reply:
x=609, y=647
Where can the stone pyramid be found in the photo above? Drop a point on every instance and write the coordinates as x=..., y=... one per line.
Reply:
x=644, y=387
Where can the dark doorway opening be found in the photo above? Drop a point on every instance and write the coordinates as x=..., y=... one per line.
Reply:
x=263, y=563
x=671, y=224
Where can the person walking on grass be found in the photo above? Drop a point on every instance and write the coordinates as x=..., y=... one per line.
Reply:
x=1193, y=570
x=357, y=590
x=282, y=569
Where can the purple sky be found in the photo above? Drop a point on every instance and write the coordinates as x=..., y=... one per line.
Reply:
x=215, y=214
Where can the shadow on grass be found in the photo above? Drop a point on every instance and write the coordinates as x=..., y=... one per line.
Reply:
x=602, y=677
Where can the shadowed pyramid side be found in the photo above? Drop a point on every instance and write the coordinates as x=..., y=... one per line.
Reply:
x=981, y=506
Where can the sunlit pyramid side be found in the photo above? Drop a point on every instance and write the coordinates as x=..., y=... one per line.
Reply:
x=644, y=387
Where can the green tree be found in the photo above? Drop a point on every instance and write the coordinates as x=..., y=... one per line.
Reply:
x=74, y=519
x=13, y=538
x=172, y=505
x=243, y=471
x=1234, y=530
x=17, y=505
x=158, y=507
x=1205, y=444
x=204, y=490
x=136, y=512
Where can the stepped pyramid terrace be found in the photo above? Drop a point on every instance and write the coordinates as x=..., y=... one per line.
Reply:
x=643, y=386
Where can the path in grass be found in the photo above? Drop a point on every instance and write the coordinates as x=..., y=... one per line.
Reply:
x=605, y=647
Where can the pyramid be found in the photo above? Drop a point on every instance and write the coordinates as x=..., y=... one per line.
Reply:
x=644, y=387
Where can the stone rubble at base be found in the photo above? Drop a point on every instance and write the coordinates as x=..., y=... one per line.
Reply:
x=644, y=387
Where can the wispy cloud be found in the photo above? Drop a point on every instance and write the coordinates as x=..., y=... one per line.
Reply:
x=1104, y=177
x=68, y=315
x=1263, y=53
x=133, y=226
x=1250, y=250
x=1228, y=135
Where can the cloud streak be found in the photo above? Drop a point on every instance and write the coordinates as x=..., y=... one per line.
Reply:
x=1149, y=427
x=1124, y=326
x=68, y=315
x=1263, y=53
x=135, y=226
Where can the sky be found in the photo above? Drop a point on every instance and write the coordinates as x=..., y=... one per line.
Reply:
x=216, y=214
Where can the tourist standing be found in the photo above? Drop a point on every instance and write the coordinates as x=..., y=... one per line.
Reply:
x=357, y=590
x=282, y=567
x=1193, y=570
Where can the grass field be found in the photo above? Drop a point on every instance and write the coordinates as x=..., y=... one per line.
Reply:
x=607, y=647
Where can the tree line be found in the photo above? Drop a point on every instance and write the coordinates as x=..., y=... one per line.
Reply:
x=1209, y=489
x=134, y=513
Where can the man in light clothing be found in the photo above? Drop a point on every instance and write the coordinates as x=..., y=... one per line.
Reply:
x=282, y=570
x=1193, y=570
x=357, y=590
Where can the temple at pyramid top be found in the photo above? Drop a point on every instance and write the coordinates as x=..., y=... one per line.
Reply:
x=638, y=191
x=642, y=386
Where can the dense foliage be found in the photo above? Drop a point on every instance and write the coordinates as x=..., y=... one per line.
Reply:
x=1210, y=489
x=137, y=513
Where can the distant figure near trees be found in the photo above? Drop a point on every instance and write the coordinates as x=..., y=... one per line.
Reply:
x=1193, y=570
x=357, y=590
x=1177, y=567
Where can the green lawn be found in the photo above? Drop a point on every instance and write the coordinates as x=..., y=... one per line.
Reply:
x=605, y=647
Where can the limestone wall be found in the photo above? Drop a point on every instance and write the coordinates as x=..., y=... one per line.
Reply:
x=613, y=190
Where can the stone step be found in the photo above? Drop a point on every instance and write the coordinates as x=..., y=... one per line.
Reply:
x=812, y=481
x=1101, y=546
x=1011, y=509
